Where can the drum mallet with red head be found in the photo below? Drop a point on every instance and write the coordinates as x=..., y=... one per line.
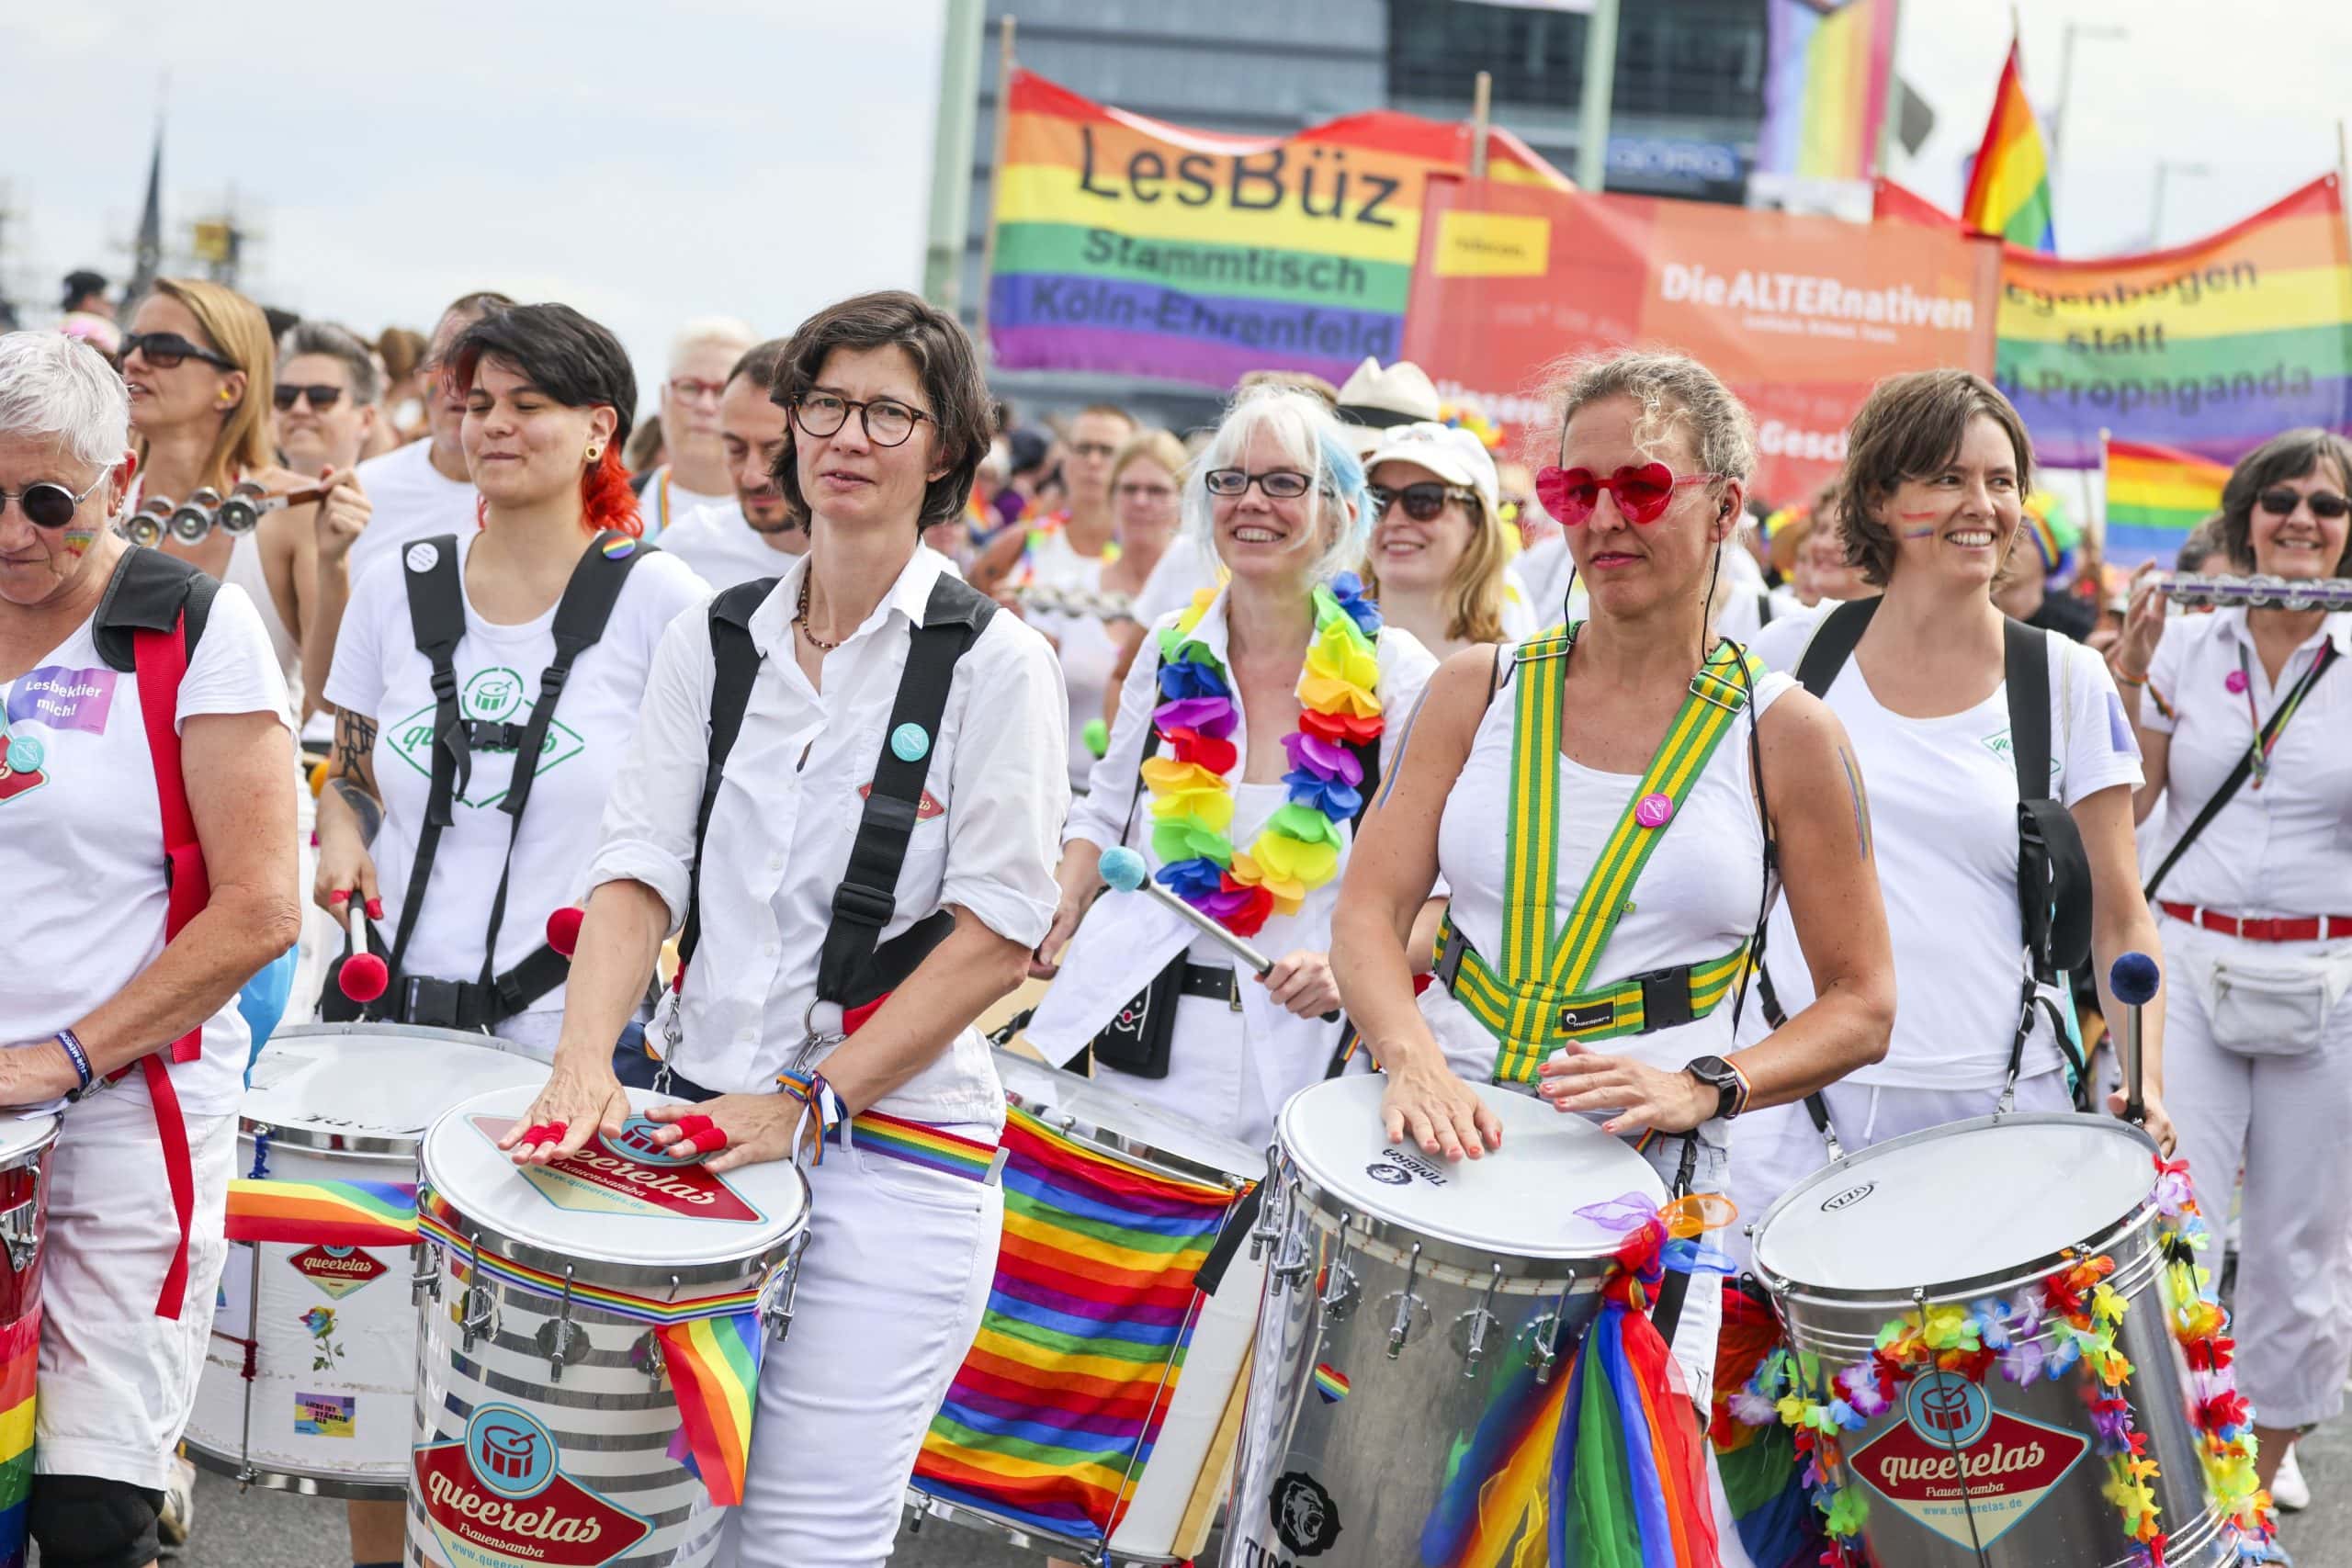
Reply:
x=364, y=975
x=1124, y=869
x=2133, y=979
x=563, y=928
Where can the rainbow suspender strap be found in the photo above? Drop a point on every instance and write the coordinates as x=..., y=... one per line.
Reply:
x=1543, y=995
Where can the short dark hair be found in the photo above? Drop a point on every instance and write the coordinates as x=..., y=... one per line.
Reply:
x=2204, y=542
x=2288, y=456
x=481, y=302
x=961, y=404
x=80, y=284
x=1910, y=427
x=559, y=351
x=762, y=362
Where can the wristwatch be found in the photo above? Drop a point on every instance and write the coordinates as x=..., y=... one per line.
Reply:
x=1731, y=1090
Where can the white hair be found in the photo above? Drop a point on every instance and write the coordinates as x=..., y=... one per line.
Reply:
x=1313, y=437
x=59, y=387
x=727, y=332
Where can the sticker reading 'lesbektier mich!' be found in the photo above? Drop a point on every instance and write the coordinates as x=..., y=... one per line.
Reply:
x=630, y=1175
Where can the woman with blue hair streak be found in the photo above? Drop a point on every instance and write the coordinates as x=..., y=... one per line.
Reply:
x=1254, y=731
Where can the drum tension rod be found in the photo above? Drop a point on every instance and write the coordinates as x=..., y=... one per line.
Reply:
x=478, y=1307
x=1482, y=1319
x=1401, y=1331
x=1551, y=1352
x=561, y=1341
x=1339, y=1298
x=1268, y=1229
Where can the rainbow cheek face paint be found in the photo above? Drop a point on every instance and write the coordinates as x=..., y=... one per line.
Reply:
x=1927, y=531
x=78, y=541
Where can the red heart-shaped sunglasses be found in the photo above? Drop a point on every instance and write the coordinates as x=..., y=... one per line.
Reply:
x=1642, y=494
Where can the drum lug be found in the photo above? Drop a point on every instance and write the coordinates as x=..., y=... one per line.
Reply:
x=21, y=1226
x=1470, y=1330
x=426, y=1280
x=556, y=1336
x=1339, y=1285
x=645, y=1355
x=1268, y=1230
x=1295, y=1262
x=1412, y=1313
x=777, y=1296
x=1548, y=1354
x=478, y=1308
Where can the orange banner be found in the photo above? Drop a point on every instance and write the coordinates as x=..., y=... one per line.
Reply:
x=1799, y=315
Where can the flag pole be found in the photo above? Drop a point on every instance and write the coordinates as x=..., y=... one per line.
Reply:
x=1482, y=93
x=1599, y=89
x=2105, y=435
x=996, y=186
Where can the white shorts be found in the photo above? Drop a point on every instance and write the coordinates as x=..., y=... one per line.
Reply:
x=116, y=1382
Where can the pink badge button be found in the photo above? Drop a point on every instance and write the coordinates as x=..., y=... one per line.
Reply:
x=2235, y=681
x=1653, y=810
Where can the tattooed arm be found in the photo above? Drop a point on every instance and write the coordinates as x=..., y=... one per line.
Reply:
x=350, y=815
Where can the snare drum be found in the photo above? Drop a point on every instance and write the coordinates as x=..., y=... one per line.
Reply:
x=1101, y=1395
x=1415, y=1315
x=1968, y=1464
x=549, y=1385
x=308, y=1376
x=25, y=1143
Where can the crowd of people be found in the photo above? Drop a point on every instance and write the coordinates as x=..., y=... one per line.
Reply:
x=1358, y=684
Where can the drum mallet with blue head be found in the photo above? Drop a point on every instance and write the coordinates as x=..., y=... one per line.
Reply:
x=2133, y=980
x=1124, y=869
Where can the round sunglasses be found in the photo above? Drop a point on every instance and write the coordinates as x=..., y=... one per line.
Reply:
x=1423, y=502
x=49, y=504
x=1642, y=493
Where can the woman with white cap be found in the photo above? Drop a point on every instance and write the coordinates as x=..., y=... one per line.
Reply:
x=1437, y=565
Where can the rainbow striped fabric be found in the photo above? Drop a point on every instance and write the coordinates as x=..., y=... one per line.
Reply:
x=714, y=1371
x=620, y=1304
x=918, y=1143
x=1053, y=1414
x=322, y=1213
x=2008, y=190
x=20, y=1350
x=1827, y=67
x=1331, y=1383
x=2155, y=496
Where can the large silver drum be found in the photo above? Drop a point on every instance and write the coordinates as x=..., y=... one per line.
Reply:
x=1408, y=1301
x=1988, y=1473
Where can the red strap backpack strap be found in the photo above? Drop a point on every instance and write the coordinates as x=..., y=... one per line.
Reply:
x=160, y=658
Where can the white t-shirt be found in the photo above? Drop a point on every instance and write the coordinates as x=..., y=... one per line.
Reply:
x=1943, y=817
x=1182, y=571
x=723, y=549
x=1082, y=642
x=664, y=503
x=379, y=671
x=411, y=502
x=1548, y=569
x=82, y=834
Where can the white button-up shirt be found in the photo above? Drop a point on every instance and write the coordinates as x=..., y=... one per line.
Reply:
x=788, y=811
x=2286, y=848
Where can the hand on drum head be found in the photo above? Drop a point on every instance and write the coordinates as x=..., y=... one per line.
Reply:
x=1642, y=1096
x=733, y=1130
x=2155, y=1120
x=1427, y=1104
x=577, y=1102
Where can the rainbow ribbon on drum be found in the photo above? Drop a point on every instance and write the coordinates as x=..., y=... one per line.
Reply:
x=322, y=1213
x=714, y=1371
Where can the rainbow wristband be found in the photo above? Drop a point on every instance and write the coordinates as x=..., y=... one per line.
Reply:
x=811, y=1090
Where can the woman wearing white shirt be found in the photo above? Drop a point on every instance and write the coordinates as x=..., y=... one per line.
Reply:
x=1438, y=564
x=890, y=416
x=139, y=1177
x=1259, y=712
x=2258, y=917
x=1936, y=469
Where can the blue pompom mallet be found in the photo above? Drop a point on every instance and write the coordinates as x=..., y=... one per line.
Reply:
x=1126, y=870
x=2133, y=978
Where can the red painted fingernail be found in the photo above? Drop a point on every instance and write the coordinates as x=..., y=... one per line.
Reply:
x=340, y=896
x=375, y=909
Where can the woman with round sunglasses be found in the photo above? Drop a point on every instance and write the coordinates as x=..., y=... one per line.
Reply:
x=1254, y=728
x=1437, y=564
x=2258, y=916
x=114, y=973
x=1531, y=765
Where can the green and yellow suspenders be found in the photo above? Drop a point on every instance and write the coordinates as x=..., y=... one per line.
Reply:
x=1539, y=999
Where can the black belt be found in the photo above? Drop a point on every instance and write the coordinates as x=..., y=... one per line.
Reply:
x=1214, y=984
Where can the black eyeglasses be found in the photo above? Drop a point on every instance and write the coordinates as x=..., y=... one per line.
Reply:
x=49, y=504
x=887, y=422
x=2280, y=502
x=1281, y=484
x=318, y=394
x=1423, y=502
x=164, y=351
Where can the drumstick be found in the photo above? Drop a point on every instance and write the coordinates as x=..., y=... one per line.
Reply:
x=2133, y=978
x=1124, y=869
x=563, y=928
x=364, y=975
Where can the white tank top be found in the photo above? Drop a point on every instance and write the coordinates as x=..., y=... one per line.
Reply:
x=245, y=571
x=1697, y=899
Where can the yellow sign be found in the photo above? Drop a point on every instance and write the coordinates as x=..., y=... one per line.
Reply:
x=1492, y=245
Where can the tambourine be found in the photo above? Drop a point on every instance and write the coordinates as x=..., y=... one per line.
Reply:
x=2194, y=590
x=192, y=522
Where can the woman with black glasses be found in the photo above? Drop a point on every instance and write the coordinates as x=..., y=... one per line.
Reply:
x=1438, y=561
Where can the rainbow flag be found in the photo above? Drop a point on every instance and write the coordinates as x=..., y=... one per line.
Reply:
x=19, y=1351
x=1056, y=1409
x=2008, y=190
x=714, y=1366
x=1134, y=246
x=1827, y=71
x=2155, y=496
x=322, y=1213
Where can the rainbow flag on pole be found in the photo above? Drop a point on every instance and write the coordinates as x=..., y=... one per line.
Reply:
x=714, y=1366
x=2155, y=496
x=1828, y=69
x=322, y=1213
x=2008, y=189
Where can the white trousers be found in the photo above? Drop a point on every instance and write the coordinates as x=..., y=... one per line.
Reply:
x=116, y=1382
x=2281, y=1118
x=899, y=1263
x=1775, y=1148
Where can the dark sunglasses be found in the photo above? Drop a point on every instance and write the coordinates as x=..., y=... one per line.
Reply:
x=2280, y=502
x=1642, y=494
x=321, y=395
x=49, y=504
x=164, y=351
x=1422, y=502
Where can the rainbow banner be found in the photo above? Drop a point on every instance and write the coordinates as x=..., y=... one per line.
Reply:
x=1827, y=73
x=20, y=1353
x=1131, y=245
x=1053, y=1414
x=2155, y=496
x=322, y=1213
x=714, y=1366
x=2008, y=189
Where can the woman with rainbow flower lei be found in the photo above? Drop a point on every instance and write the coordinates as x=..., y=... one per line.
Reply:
x=1250, y=734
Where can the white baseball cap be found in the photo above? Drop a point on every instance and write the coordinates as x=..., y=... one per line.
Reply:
x=1450, y=452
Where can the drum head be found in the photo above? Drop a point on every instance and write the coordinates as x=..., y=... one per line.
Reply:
x=371, y=1086
x=1521, y=1199
x=1958, y=1203
x=1052, y=1095
x=618, y=1201
x=23, y=1136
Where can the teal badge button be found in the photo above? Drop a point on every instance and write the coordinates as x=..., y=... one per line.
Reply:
x=25, y=754
x=908, y=743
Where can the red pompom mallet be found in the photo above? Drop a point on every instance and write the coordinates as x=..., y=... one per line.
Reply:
x=563, y=928
x=364, y=975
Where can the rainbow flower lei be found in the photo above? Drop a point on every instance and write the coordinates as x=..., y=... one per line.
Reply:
x=1192, y=800
x=2078, y=1312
